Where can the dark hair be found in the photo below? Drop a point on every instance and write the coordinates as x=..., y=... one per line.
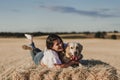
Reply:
x=50, y=39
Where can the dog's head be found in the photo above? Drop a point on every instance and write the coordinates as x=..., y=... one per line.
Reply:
x=73, y=51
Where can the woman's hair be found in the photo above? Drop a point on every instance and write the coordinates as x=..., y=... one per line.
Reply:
x=50, y=39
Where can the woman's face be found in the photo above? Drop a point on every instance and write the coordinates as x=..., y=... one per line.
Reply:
x=57, y=46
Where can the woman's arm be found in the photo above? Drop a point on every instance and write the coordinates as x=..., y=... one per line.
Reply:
x=65, y=65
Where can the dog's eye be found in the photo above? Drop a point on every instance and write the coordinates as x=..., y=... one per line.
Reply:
x=71, y=47
x=76, y=47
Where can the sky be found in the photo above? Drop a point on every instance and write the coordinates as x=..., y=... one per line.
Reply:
x=59, y=15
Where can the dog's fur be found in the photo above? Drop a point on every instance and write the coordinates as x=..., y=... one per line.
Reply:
x=72, y=52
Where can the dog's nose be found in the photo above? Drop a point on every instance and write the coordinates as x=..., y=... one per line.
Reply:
x=75, y=52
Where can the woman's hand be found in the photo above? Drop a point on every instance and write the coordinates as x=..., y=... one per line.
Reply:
x=66, y=64
x=73, y=62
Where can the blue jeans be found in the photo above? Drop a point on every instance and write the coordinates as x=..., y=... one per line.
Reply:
x=36, y=54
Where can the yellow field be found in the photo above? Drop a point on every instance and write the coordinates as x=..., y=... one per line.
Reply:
x=12, y=55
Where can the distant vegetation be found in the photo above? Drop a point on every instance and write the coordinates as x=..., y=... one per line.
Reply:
x=67, y=35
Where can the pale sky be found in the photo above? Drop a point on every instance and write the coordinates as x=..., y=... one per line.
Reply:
x=59, y=15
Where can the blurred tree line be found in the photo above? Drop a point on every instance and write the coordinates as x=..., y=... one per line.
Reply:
x=87, y=34
x=104, y=35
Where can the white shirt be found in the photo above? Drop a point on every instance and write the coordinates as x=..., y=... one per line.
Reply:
x=50, y=58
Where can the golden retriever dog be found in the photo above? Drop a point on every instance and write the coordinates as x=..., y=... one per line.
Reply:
x=72, y=52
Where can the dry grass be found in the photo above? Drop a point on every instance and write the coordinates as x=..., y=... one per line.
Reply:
x=87, y=71
x=14, y=59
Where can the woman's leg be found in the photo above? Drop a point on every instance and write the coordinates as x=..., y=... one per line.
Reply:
x=36, y=53
x=34, y=49
x=38, y=57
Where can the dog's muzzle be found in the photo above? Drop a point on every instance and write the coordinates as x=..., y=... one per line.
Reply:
x=74, y=58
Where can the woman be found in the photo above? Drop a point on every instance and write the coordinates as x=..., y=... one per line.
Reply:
x=50, y=58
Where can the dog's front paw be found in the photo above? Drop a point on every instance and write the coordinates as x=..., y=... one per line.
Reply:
x=80, y=64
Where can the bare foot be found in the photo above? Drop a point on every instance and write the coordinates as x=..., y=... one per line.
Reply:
x=25, y=47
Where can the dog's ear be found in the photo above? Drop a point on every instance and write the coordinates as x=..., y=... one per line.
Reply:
x=67, y=50
x=67, y=47
x=80, y=47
